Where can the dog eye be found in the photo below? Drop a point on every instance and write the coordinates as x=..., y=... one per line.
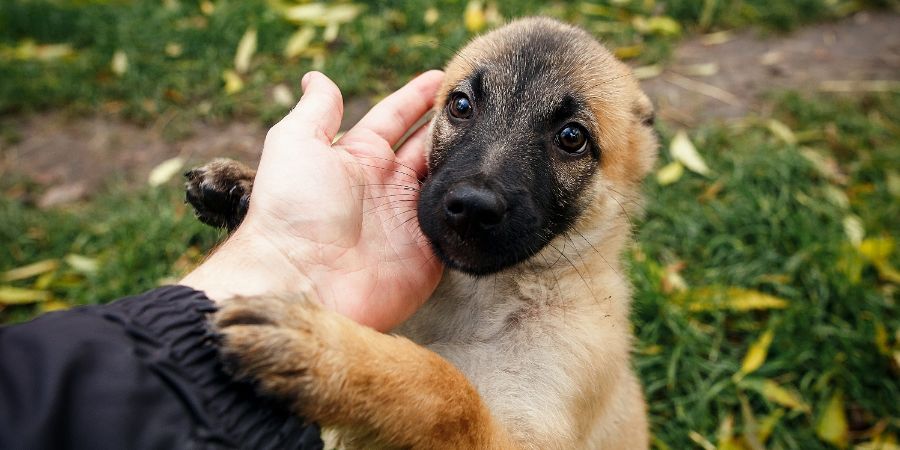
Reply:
x=572, y=139
x=460, y=106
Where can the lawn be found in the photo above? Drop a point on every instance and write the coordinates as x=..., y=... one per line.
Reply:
x=765, y=289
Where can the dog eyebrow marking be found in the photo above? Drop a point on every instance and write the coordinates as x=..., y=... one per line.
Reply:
x=566, y=109
x=476, y=83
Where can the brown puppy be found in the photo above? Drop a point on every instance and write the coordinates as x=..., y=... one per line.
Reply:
x=539, y=144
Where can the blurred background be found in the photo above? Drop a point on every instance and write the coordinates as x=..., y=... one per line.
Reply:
x=765, y=267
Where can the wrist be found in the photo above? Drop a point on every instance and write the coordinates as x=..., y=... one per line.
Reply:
x=246, y=265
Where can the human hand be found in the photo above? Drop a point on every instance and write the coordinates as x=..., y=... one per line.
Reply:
x=337, y=218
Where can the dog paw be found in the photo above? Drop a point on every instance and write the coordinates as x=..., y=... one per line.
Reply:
x=275, y=342
x=220, y=192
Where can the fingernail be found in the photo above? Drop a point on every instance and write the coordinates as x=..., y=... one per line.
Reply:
x=305, y=81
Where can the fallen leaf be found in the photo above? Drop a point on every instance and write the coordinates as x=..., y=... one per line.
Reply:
x=782, y=131
x=826, y=166
x=647, y=72
x=670, y=173
x=659, y=25
x=233, y=82
x=54, y=305
x=119, y=63
x=10, y=295
x=299, y=41
x=767, y=425
x=174, y=49
x=431, y=16
x=283, y=96
x=832, y=425
x=321, y=14
x=683, y=150
x=207, y=7
x=245, y=50
x=331, y=32
x=31, y=270
x=82, y=264
x=700, y=70
x=783, y=396
x=473, y=17
x=893, y=182
x=836, y=196
x=717, y=38
x=854, y=229
x=756, y=354
x=165, y=170
x=733, y=298
x=629, y=51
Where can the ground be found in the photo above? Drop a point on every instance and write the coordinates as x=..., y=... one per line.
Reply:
x=76, y=155
x=764, y=268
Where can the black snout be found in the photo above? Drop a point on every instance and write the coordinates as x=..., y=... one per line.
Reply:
x=470, y=209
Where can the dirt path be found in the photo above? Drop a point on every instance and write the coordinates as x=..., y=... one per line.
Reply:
x=74, y=156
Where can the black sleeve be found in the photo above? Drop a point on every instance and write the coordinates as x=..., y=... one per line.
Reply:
x=140, y=373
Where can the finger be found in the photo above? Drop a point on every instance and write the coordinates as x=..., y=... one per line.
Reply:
x=391, y=117
x=319, y=111
x=412, y=153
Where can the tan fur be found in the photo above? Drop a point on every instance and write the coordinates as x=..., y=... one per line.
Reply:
x=536, y=356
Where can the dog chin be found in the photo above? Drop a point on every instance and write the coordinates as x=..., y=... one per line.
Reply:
x=476, y=263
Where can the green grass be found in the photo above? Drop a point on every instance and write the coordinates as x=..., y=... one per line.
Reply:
x=177, y=53
x=772, y=226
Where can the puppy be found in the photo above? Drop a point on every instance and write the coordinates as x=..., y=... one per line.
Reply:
x=539, y=144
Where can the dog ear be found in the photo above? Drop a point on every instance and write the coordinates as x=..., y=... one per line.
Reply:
x=643, y=110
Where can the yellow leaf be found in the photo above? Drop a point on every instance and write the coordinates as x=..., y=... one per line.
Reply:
x=54, y=305
x=683, y=150
x=717, y=38
x=670, y=173
x=207, y=7
x=283, y=96
x=321, y=14
x=877, y=249
x=331, y=32
x=119, y=63
x=736, y=299
x=233, y=82
x=887, y=272
x=782, y=396
x=165, y=170
x=174, y=49
x=245, y=50
x=832, y=424
x=647, y=72
x=474, y=16
x=660, y=25
x=82, y=264
x=881, y=339
x=431, y=16
x=767, y=425
x=629, y=52
x=756, y=354
x=782, y=131
x=854, y=229
x=299, y=41
x=18, y=296
x=31, y=270
x=700, y=70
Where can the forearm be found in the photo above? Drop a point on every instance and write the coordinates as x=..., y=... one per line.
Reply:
x=142, y=372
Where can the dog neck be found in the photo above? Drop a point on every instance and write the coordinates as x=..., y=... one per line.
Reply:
x=578, y=276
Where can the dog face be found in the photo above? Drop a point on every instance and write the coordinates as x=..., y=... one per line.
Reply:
x=535, y=124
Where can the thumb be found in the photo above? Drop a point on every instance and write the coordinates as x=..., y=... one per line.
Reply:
x=320, y=109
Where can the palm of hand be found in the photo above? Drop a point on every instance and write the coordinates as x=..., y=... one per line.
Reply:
x=345, y=214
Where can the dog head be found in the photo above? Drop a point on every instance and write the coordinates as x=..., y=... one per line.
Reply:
x=538, y=131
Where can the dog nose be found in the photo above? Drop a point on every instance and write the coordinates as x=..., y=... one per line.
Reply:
x=469, y=208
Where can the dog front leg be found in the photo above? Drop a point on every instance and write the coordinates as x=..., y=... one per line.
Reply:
x=384, y=388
